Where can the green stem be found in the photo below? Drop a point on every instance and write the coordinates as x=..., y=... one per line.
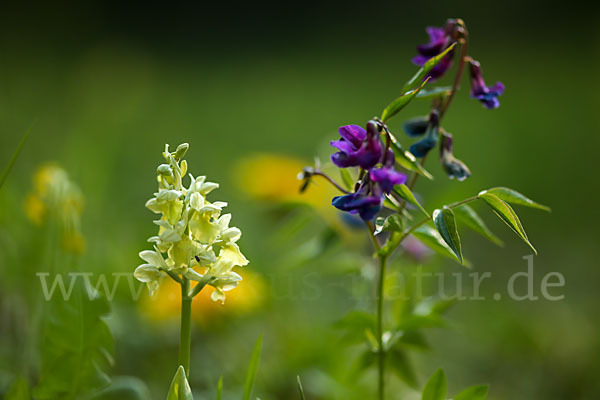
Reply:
x=381, y=352
x=185, y=341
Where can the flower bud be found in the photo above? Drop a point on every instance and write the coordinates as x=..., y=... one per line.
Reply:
x=181, y=150
x=164, y=170
x=453, y=166
x=416, y=127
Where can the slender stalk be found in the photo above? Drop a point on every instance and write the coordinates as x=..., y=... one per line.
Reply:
x=330, y=179
x=185, y=340
x=379, y=312
x=381, y=352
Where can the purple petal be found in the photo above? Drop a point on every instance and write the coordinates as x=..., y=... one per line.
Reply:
x=387, y=178
x=353, y=133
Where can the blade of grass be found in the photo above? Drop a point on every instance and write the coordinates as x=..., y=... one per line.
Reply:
x=302, y=397
x=15, y=156
x=220, y=389
x=252, y=367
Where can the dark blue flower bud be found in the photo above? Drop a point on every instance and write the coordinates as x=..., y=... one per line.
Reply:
x=416, y=127
x=453, y=166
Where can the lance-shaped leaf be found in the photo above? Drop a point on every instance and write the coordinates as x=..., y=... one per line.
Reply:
x=432, y=239
x=470, y=218
x=347, y=178
x=395, y=106
x=252, y=368
x=76, y=346
x=220, y=388
x=426, y=68
x=478, y=392
x=402, y=366
x=14, y=157
x=506, y=214
x=445, y=223
x=405, y=193
x=436, y=386
x=514, y=197
x=434, y=93
x=180, y=388
x=393, y=223
x=407, y=159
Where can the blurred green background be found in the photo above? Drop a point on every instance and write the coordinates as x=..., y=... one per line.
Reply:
x=108, y=84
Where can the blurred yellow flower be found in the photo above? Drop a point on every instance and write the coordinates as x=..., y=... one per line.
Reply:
x=165, y=304
x=55, y=196
x=274, y=178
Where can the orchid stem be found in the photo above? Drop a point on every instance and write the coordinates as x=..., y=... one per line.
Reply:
x=185, y=340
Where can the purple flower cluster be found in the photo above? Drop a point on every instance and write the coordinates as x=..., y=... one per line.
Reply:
x=362, y=148
x=439, y=40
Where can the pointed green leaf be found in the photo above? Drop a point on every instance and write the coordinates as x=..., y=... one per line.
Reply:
x=506, y=214
x=393, y=223
x=478, y=392
x=470, y=218
x=300, y=389
x=15, y=155
x=434, y=93
x=436, y=386
x=75, y=337
x=395, y=106
x=252, y=368
x=514, y=197
x=220, y=388
x=432, y=239
x=423, y=71
x=402, y=366
x=406, y=159
x=347, y=178
x=445, y=223
x=180, y=388
x=405, y=193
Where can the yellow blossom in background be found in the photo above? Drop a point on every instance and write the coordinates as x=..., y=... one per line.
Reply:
x=274, y=178
x=55, y=197
x=165, y=304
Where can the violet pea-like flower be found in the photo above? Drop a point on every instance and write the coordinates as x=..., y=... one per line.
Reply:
x=439, y=40
x=488, y=96
x=387, y=177
x=361, y=203
x=357, y=147
x=452, y=165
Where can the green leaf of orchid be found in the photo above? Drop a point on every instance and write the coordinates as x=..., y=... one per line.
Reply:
x=506, y=214
x=425, y=69
x=395, y=106
x=252, y=368
x=180, y=388
x=436, y=386
x=406, y=159
x=445, y=223
x=470, y=218
x=513, y=197
x=405, y=193
x=478, y=392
